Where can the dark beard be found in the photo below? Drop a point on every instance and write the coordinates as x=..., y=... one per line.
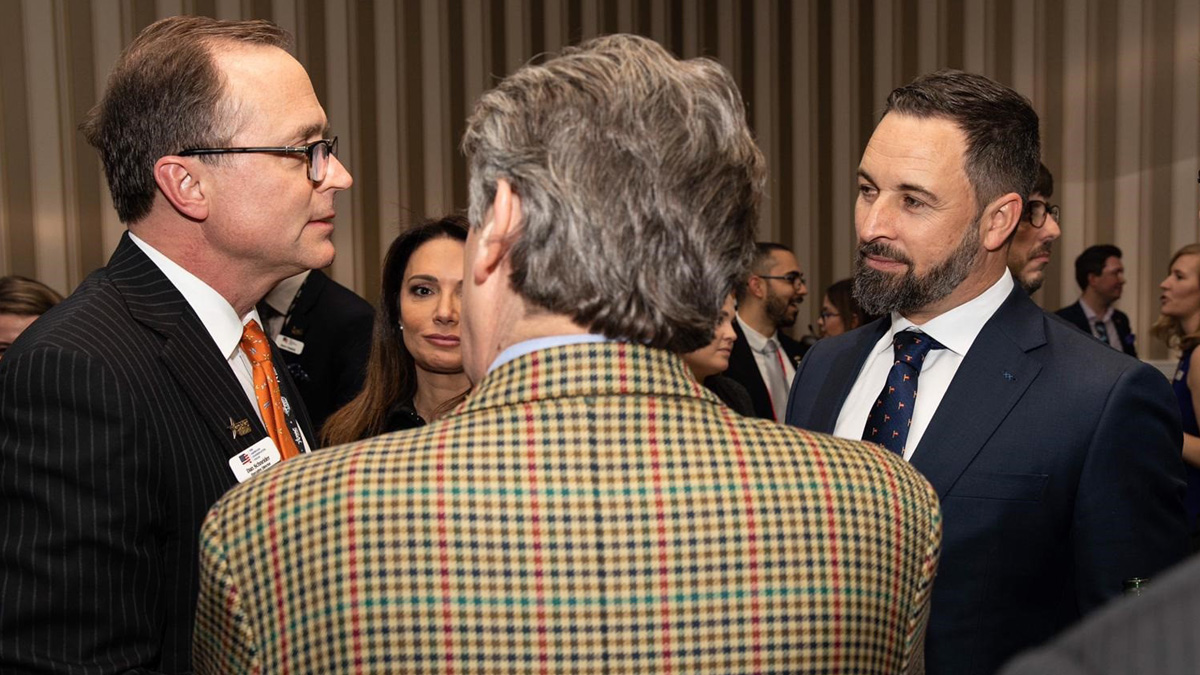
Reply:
x=879, y=293
x=777, y=309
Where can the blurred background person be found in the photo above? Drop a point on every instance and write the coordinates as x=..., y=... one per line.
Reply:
x=415, y=372
x=1101, y=278
x=22, y=300
x=708, y=362
x=840, y=312
x=1179, y=327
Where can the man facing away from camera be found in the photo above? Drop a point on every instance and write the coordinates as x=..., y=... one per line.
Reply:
x=590, y=508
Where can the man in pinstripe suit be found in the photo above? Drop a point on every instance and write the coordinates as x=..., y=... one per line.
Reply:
x=590, y=508
x=128, y=410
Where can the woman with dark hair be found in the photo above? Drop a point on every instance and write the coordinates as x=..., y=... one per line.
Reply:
x=415, y=372
x=22, y=301
x=708, y=362
x=840, y=311
x=1179, y=327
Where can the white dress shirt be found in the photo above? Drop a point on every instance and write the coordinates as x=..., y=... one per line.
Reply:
x=956, y=330
x=1114, y=340
x=767, y=361
x=218, y=316
x=280, y=299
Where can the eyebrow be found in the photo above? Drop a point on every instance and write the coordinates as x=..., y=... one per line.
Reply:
x=311, y=130
x=423, y=277
x=905, y=187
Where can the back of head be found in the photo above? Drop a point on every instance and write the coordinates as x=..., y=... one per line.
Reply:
x=639, y=182
x=23, y=296
x=1044, y=185
x=1092, y=260
x=1000, y=125
x=166, y=94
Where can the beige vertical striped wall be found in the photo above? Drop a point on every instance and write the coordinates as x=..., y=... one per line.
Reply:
x=1115, y=81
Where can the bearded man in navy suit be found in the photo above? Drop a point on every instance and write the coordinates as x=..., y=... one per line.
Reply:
x=127, y=410
x=1057, y=460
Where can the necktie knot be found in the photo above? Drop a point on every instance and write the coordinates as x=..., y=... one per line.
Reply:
x=912, y=348
x=254, y=343
x=770, y=348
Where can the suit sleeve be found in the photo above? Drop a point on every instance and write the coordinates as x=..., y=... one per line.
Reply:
x=81, y=583
x=222, y=643
x=1129, y=519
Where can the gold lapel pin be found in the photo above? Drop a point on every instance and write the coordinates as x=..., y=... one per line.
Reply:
x=239, y=428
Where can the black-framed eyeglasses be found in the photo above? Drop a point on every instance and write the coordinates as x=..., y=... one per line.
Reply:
x=793, y=278
x=1036, y=211
x=825, y=316
x=317, y=153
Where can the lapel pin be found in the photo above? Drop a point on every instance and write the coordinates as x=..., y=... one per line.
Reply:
x=239, y=428
x=1009, y=376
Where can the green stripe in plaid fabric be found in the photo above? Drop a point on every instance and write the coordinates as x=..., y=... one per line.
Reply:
x=620, y=519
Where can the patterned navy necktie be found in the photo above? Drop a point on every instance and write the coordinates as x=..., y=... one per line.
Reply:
x=1101, y=332
x=891, y=416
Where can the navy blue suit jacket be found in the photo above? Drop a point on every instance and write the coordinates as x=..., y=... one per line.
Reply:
x=116, y=431
x=1074, y=314
x=1058, y=464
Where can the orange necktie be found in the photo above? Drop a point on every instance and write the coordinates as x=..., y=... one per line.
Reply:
x=266, y=389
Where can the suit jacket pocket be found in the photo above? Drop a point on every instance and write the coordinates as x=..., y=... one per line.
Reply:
x=1025, y=487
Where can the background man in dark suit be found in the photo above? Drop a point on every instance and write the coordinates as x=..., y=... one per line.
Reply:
x=590, y=507
x=1057, y=460
x=323, y=331
x=1101, y=278
x=132, y=406
x=763, y=359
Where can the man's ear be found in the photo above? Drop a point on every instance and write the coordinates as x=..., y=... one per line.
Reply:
x=756, y=286
x=1000, y=219
x=499, y=232
x=180, y=182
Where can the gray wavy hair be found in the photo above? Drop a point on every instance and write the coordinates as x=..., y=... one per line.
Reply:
x=640, y=184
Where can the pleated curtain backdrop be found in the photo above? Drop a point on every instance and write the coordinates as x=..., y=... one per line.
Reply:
x=1116, y=82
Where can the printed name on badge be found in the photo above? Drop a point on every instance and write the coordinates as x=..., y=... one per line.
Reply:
x=255, y=459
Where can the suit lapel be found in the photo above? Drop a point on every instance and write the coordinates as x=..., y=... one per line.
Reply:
x=994, y=375
x=843, y=372
x=188, y=352
x=743, y=368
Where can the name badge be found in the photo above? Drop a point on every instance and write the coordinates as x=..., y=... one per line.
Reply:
x=255, y=459
x=288, y=344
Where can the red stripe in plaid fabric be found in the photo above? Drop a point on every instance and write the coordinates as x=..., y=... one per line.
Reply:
x=535, y=522
x=444, y=556
x=835, y=590
x=664, y=579
x=751, y=539
x=623, y=368
x=352, y=555
x=277, y=575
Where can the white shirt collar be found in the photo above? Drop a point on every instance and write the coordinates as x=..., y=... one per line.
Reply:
x=756, y=340
x=1092, y=316
x=215, y=312
x=957, y=328
x=280, y=298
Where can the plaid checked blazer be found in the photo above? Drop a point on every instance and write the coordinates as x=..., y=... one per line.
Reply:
x=588, y=509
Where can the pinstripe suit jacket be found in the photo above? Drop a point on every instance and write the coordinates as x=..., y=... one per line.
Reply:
x=588, y=509
x=115, y=438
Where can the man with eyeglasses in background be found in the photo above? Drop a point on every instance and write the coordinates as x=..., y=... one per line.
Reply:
x=128, y=409
x=763, y=359
x=1031, y=246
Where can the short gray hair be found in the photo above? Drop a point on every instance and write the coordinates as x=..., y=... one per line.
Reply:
x=639, y=182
